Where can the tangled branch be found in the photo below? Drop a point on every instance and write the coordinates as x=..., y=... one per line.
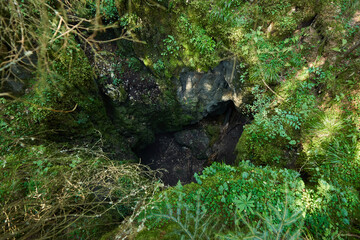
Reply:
x=70, y=192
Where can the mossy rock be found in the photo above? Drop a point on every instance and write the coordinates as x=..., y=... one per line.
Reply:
x=214, y=132
x=167, y=232
x=63, y=104
x=272, y=153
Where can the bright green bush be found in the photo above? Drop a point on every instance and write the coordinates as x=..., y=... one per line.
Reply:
x=223, y=190
x=333, y=210
x=331, y=149
x=272, y=132
x=259, y=200
x=280, y=224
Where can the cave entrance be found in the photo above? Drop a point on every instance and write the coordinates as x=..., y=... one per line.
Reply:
x=183, y=153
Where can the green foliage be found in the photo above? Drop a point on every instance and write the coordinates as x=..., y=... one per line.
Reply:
x=223, y=189
x=134, y=64
x=69, y=86
x=305, y=116
x=244, y=203
x=159, y=67
x=223, y=12
x=280, y=224
x=332, y=209
x=332, y=149
x=270, y=127
x=171, y=47
x=272, y=203
x=18, y=123
x=269, y=60
x=192, y=221
x=198, y=42
x=108, y=9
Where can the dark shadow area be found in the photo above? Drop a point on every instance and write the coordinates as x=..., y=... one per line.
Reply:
x=233, y=125
x=182, y=154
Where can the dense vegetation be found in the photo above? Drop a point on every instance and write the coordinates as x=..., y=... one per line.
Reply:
x=68, y=168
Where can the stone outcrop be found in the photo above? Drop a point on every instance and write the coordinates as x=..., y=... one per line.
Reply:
x=180, y=154
x=201, y=94
x=196, y=140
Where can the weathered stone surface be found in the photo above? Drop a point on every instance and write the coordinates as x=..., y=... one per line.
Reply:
x=124, y=78
x=196, y=140
x=179, y=162
x=183, y=153
x=21, y=73
x=203, y=93
x=14, y=86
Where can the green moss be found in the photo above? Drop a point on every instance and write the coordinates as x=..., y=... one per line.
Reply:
x=62, y=104
x=141, y=121
x=214, y=132
x=167, y=232
x=247, y=149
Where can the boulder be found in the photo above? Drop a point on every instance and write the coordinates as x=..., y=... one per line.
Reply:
x=196, y=140
x=180, y=154
x=201, y=94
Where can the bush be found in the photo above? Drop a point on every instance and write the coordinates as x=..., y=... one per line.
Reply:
x=333, y=210
x=223, y=190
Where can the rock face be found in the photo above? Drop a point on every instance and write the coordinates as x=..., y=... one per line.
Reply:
x=186, y=152
x=196, y=140
x=182, y=154
x=20, y=75
x=124, y=77
x=201, y=94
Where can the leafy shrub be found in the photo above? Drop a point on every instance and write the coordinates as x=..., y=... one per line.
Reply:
x=271, y=126
x=331, y=149
x=185, y=221
x=171, y=47
x=108, y=9
x=270, y=202
x=222, y=190
x=198, y=41
x=332, y=211
x=280, y=224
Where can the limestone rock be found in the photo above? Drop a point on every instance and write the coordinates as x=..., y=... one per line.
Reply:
x=201, y=94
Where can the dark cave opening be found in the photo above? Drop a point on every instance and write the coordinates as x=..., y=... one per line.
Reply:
x=183, y=153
